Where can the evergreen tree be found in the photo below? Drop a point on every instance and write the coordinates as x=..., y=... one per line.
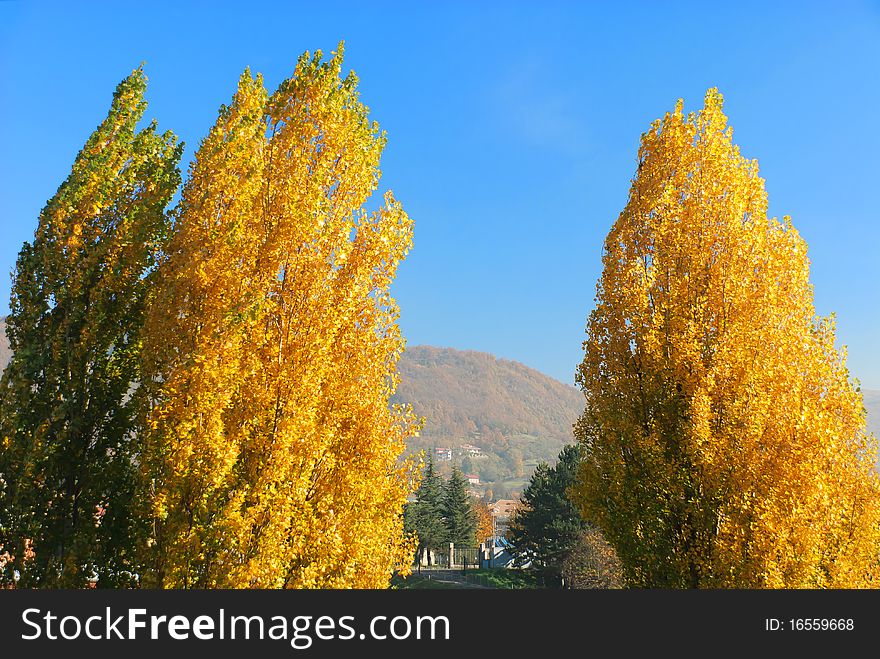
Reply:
x=424, y=516
x=548, y=525
x=66, y=413
x=461, y=520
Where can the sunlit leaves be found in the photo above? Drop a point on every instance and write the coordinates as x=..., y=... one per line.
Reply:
x=272, y=458
x=724, y=443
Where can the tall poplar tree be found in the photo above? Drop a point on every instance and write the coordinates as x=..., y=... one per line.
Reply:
x=272, y=453
x=66, y=423
x=724, y=443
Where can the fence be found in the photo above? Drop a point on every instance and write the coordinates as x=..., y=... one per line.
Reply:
x=449, y=557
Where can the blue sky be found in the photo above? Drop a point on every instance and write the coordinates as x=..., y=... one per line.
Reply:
x=512, y=127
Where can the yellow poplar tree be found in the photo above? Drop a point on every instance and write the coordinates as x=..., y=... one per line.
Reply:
x=272, y=453
x=725, y=445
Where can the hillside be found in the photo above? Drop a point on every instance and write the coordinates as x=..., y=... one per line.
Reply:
x=514, y=414
x=467, y=393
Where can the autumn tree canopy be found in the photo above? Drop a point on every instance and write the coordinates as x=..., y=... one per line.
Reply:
x=485, y=520
x=271, y=455
x=591, y=563
x=724, y=443
x=67, y=458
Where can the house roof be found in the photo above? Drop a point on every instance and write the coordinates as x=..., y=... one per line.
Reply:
x=504, y=507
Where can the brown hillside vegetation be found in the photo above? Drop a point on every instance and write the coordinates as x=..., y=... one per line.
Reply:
x=872, y=405
x=515, y=414
x=465, y=394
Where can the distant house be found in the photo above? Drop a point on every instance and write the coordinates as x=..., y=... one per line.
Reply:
x=471, y=450
x=472, y=479
x=443, y=454
x=503, y=508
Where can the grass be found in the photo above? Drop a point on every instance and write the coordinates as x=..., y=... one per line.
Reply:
x=419, y=582
x=507, y=579
x=497, y=578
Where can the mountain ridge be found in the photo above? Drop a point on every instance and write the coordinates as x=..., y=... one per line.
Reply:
x=525, y=400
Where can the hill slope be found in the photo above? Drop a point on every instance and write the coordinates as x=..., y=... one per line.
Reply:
x=514, y=414
x=872, y=405
x=466, y=394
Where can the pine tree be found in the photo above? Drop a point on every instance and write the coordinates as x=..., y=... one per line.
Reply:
x=461, y=521
x=272, y=458
x=425, y=514
x=548, y=525
x=724, y=443
x=66, y=416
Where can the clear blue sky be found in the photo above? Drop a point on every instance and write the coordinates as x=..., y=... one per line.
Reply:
x=512, y=128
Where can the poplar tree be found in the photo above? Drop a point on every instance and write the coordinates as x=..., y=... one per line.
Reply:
x=724, y=442
x=271, y=455
x=66, y=414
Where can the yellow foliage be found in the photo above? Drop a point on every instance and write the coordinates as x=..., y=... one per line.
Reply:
x=272, y=348
x=725, y=444
x=485, y=523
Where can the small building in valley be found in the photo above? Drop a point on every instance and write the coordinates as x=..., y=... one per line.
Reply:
x=443, y=454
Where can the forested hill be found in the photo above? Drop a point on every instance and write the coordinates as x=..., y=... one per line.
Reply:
x=872, y=404
x=515, y=415
x=463, y=394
